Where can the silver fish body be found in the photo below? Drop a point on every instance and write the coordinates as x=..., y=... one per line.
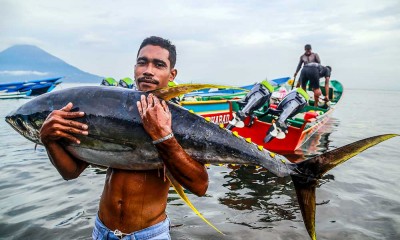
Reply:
x=117, y=138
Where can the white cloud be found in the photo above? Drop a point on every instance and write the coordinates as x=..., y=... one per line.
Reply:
x=94, y=39
x=23, y=40
x=23, y=72
x=232, y=41
x=253, y=38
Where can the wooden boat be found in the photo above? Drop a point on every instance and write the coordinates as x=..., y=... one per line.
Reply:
x=217, y=111
x=231, y=94
x=221, y=108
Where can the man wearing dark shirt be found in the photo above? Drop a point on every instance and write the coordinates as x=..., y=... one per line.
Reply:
x=313, y=72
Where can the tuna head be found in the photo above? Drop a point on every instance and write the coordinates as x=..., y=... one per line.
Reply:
x=27, y=125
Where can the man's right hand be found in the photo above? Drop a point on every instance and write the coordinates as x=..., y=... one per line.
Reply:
x=156, y=117
x=59, y=125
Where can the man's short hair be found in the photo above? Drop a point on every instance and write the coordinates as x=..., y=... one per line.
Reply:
x=163, y=43
x=307, y=47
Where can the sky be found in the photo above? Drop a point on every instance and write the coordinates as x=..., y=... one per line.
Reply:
x=224, y=42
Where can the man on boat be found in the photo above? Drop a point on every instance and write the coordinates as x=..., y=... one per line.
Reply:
x=133, y=203
x=307, y=57
x=312, y=72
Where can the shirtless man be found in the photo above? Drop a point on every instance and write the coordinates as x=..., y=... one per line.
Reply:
x=133, y=203
x=307, y=57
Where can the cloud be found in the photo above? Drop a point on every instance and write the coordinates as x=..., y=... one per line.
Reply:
x=232, y=41
x=23, y=40
x=23, y=72
x=94, y=39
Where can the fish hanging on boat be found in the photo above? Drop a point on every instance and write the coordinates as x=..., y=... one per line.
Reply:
x=117, y=138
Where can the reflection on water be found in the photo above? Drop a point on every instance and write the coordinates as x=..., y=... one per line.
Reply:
x=317, y=144
x=256, y=189
x=251, y=188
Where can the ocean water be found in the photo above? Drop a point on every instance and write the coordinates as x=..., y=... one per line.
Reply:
x=359, y=199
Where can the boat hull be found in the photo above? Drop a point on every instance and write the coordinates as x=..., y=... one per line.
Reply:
x=299, y=131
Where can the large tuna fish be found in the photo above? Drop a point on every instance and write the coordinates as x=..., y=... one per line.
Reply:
x=117, y=139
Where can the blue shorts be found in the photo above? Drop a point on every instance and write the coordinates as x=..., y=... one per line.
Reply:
x=159, y=231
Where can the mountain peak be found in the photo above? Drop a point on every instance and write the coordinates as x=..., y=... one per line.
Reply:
x=23, y=47
x=27, y=62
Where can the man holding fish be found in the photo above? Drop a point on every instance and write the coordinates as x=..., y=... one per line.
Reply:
x=133, y=202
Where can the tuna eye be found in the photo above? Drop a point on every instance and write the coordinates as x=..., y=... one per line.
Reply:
x=20, y=124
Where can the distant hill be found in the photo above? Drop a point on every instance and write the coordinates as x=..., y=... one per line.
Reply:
x=28, y=62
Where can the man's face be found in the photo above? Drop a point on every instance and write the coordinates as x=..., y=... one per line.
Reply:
x=307, y=51
x=153, y=69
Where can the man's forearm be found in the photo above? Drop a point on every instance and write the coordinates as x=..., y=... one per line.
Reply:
x=68, y=167
x=188, y=172
x=327, y=87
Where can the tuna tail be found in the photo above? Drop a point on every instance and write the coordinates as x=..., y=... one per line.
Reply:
x=313, y=169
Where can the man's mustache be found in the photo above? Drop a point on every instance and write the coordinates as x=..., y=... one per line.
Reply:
x=148, y=80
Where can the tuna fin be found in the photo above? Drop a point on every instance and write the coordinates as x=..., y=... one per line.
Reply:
x=168, y=93
x=305, y=192
x=313, y=169
x=321, y=164
x=178, y=188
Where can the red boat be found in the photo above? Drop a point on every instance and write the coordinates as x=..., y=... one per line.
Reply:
x=220, y=109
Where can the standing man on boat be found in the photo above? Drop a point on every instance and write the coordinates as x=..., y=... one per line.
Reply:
x=307, y=57
x=133, y=203
x=312, y=72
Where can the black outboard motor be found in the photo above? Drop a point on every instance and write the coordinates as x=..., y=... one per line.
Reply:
x=290, y=105
x=255, y=99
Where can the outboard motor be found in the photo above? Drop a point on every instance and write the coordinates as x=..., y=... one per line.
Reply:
x=255, y=99
x=126, y=83
x=109, y=81
x=290, y=105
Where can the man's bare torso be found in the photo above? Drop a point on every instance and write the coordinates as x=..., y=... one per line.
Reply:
x=133, y=200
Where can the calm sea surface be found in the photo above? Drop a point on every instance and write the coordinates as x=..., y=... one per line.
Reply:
x=359, y=199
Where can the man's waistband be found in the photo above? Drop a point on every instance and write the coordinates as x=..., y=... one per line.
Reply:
x=146, y=233
x=313, y=64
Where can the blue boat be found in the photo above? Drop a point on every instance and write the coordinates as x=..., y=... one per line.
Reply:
x=28, y=88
